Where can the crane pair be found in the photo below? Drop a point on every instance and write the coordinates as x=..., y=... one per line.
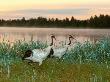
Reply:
x=39, y=55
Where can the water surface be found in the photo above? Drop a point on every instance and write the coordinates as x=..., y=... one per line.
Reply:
x=13, y=34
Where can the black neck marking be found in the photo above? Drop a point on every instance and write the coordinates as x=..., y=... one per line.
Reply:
x=51, y=53
x=51, y=41
x=69, y=42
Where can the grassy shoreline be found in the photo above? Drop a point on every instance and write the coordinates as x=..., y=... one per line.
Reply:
x=85, y=62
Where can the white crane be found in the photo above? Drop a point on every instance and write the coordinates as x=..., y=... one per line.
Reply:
x=38, y=55
x=59, y=52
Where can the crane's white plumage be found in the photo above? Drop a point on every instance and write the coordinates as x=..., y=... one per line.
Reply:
x=59, y=52
x=38, y=55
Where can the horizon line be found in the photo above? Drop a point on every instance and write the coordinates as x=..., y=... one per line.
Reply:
x=23, y=17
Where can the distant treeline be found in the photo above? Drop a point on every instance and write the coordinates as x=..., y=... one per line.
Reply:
x=102, y=21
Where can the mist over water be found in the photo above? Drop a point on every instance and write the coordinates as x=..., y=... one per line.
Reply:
x=13, y=34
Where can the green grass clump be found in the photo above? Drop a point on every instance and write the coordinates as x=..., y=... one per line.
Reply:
x=89, y=52
x=85, y=62
x=13, y=53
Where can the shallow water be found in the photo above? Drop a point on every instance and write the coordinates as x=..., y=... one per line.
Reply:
x=13, y=34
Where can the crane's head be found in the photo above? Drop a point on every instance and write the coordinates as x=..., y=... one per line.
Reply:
x=71, y=37
x=53, y=36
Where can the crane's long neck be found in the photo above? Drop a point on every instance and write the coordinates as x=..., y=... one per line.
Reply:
x=48, y=49
x=51, y=42
x=69, y=42
x=66, y=47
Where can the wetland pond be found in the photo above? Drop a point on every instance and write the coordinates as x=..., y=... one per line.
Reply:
x=13, y=34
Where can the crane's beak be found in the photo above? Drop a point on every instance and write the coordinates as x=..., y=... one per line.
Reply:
x=55, y=38
x=75, y=39
x=70, y=36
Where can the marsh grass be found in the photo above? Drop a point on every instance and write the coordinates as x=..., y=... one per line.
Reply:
x=86, y=62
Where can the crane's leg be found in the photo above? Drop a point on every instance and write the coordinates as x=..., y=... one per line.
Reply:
x=40, y=62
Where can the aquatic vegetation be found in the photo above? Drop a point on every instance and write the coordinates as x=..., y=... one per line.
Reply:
x=85, y=62
x=89, y=52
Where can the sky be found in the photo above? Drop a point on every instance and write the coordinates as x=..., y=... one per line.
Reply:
x=80, y=9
